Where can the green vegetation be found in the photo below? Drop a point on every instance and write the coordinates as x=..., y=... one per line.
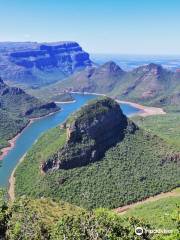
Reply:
x=166, y=126
x=16, y=108
x=142, y=164
x=100, y=224
x=10, y=125
x=46, y=219
x=111, y=182
x=94, y=108
x=160, y=213
x=49, y=143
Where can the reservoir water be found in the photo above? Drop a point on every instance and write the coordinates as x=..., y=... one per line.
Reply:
x=38, y=127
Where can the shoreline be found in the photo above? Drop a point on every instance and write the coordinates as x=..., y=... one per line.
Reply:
x=12, y=180
x=144, y=110
x=12, y=141
x=72, y=101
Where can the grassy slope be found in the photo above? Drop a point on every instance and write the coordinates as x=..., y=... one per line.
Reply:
x=29, y=175
x=159, y=213
x=166, y=126
x=133, y=164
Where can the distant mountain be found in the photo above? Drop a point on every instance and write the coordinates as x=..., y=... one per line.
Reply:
x=16, y=108
x=96, y=79
x=98, y=158
x=16, y=101
x=41, y=63
x=151, y=84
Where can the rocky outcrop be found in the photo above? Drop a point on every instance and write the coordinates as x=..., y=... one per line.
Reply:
x=90, y=133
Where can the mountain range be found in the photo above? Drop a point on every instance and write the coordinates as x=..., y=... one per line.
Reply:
x=150, y=84
x=55, y=68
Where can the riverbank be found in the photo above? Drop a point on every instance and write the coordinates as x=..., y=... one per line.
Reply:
x=73, y=101
x=145, y=110
x=12, y=141
x=12, y=180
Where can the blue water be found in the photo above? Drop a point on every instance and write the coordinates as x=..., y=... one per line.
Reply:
x=37, y=128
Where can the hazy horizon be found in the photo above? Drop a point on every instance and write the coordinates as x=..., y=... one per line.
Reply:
x=108, y=26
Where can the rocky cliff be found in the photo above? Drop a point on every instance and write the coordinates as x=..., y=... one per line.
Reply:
x=35, y=62
x=90, y=132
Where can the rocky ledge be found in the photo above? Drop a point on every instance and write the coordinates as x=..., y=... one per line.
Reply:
x=91, y=131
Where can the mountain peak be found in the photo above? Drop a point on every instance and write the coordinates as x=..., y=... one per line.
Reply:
x=152, y=68
x=112, y=67
x=91, y=131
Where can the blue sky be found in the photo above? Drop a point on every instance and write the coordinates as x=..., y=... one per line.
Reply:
x=100, y=26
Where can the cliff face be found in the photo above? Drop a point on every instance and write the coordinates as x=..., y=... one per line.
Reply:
x=66, y=55
x=30, y=62
x=90, y=132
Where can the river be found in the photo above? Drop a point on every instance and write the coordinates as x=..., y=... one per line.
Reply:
x=31, y=133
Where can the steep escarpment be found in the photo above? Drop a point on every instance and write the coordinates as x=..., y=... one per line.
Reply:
x=90, y=133
x=66, y=55
x=38, y=63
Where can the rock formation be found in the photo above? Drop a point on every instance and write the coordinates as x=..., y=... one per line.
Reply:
x=90, y=133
